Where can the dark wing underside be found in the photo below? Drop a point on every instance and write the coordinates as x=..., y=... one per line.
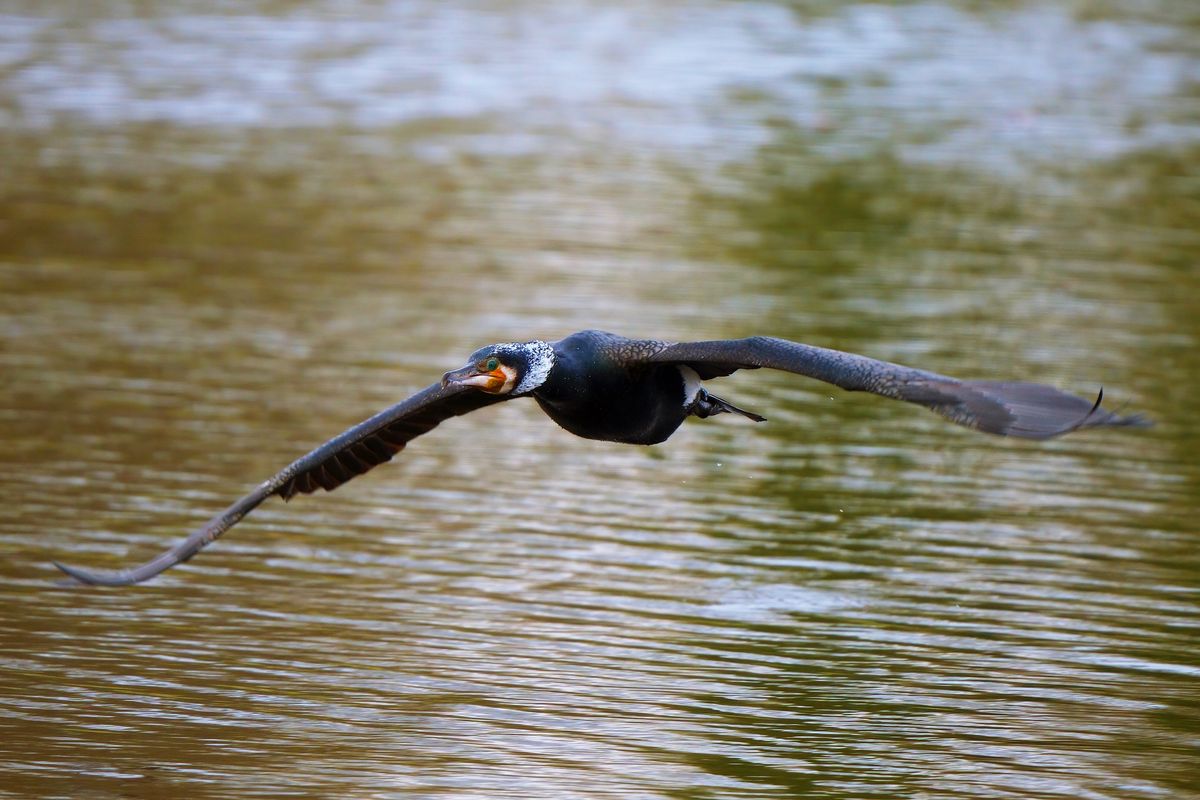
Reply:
x=352, y=453
x=1026, y=410
x=377, y=439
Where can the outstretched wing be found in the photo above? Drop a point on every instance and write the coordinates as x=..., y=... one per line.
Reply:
x=352, y=453
x=1006, y=408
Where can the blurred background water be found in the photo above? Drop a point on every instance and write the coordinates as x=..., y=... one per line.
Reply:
x=228, y=231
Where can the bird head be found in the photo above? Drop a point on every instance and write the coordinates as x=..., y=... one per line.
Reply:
x=507, y=368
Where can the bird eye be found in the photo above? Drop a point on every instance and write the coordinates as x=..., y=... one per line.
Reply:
x=492, y=364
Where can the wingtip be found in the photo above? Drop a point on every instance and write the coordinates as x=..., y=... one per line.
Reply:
x=85, y=578
x=1130, y=421
x=1100, y=417
x=78, y=576
x=1029, y=410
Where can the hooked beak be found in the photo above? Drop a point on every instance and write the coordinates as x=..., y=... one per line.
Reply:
x=490, y=382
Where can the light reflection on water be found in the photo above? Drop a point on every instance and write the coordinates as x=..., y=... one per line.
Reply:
x=675, y=75
x=850, y=600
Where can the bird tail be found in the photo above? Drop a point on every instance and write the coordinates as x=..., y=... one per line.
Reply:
x=706, y=405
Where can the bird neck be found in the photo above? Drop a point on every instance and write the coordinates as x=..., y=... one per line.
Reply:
x=540, y=360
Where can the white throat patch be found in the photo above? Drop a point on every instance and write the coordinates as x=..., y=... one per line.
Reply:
x=510, y=377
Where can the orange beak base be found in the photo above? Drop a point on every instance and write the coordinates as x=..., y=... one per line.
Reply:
x=490, y=382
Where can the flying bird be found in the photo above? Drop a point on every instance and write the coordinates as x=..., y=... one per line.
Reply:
x=603, y=386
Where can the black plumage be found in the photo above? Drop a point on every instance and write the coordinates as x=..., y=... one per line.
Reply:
x=637, y=391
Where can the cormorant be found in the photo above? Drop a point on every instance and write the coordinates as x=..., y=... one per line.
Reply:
x=638, y=391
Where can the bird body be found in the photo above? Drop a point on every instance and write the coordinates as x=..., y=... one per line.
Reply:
x=598, y=390
x=602, y=386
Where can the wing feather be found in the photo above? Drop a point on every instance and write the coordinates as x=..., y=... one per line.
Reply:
x=342, y=458
x=1007, y=408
